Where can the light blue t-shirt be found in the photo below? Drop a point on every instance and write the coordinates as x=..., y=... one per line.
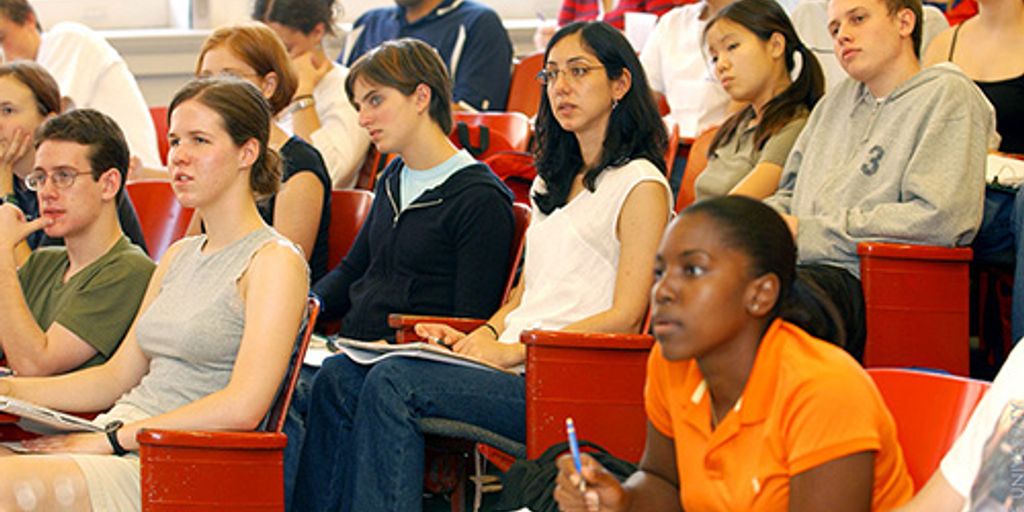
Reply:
x=414, y=182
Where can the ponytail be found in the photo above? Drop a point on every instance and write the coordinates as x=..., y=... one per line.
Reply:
x=265, y=176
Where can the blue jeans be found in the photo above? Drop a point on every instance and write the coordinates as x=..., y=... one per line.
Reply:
x=295, y=427
x=363, y=450
x=1000, y=240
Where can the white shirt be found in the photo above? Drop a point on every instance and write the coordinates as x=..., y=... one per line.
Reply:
x=961, y=464
x=572, y=255
x=340, y=140
x=94, y=75
x=676, y=66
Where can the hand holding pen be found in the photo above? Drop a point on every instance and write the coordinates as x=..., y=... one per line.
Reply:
x=583, y=484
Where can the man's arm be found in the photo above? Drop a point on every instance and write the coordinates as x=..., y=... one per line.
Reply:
x=483, y=71
x=28, y=349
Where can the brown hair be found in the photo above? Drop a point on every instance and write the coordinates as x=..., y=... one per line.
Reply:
x=44, y=88
x=404, y=64
x=18, y=11
x=263, y=51
x=98, y=132
x=301, y=15
x=245, y=114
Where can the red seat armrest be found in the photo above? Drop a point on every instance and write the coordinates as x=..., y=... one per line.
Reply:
x=913, y=252
x=159, y=438
x=589, y=340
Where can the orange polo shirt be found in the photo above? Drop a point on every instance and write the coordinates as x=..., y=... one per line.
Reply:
x=806, y=403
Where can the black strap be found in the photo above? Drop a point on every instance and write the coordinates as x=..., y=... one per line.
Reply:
x=462, y=130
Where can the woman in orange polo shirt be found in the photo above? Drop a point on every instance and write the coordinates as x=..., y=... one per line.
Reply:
x=746, y=411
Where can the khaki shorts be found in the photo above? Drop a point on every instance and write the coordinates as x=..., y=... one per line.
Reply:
x=113, y=481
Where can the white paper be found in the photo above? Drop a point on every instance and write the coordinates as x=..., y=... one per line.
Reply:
x=41, y=420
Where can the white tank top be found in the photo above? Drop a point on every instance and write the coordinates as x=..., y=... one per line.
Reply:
x=572, y=255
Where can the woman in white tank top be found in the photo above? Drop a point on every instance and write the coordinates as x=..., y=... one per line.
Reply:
x=215, y=330
x=600, y=204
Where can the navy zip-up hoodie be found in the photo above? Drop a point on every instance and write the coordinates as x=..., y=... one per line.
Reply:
x=445, y=254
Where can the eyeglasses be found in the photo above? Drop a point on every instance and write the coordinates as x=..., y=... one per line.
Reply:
x=62, y=178
x=548, y=77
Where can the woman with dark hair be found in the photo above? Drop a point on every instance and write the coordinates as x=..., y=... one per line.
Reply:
x=301, y=209
x=216, y=328
x=29, y=96
x=745, y=410
x=319, y=112
x=599, y=205
x=754, y=50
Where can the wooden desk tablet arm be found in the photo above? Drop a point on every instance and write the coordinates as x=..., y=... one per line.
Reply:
x=405, y=325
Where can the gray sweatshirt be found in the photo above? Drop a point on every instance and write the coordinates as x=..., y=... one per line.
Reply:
x=907, y=168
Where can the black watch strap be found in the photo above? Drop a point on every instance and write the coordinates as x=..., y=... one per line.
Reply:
x=11, y=198
x=111, y=430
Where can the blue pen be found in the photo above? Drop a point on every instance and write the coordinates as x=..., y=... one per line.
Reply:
x=574, y=448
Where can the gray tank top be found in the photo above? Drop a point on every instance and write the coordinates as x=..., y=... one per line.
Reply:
x=193, y=328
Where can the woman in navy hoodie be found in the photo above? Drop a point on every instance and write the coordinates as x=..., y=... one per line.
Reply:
x=437, y=239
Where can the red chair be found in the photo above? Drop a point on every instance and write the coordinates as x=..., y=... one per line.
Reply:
x=696, y=162
x=161, y=216
x=672, y=150
x=524, y=91
x=224, y=471
x=159, y=115
x=917, y=306
x=349, y=209
x=930, y=410
x=487, y=133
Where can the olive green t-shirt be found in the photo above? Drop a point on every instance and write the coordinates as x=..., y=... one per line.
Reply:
x=98, y=303
x=736, y=157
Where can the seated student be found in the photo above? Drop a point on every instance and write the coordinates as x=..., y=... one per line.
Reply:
x=599, y=204
x=982, y=471
x=215, y=331
x=989, y=48
x=470, y=37
x=754, y=49
x=895, y=153
x=69, y=307
x=674, y=60
x=437, y=238
x=319, y=112
x=301, y=209
x=32, y=96
x=88, y=69
x=745, y=410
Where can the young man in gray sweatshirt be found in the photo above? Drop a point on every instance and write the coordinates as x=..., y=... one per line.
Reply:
x=895, y=153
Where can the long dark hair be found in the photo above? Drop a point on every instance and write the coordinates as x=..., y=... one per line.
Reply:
x=764, y=18
x=756, y=230
x=635, y=129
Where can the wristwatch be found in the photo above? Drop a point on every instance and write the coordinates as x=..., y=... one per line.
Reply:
x=11, y=198
x=302, y=102
x=111, y=430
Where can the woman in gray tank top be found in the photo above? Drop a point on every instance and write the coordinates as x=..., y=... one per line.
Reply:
x=215, y=330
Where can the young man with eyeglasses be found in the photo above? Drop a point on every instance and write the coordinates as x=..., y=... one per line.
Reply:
x=77, y=301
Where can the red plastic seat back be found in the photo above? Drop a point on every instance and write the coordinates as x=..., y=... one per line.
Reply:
x=671, y=150
x=161, y=216
x=278, y=411
x=696, y=162
x=524, y=91
x=930, y=410
x=916, y=306
x=159, y=115
x=597, y=379
x=522, y=214
x=505, y=131
x=349, y=209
